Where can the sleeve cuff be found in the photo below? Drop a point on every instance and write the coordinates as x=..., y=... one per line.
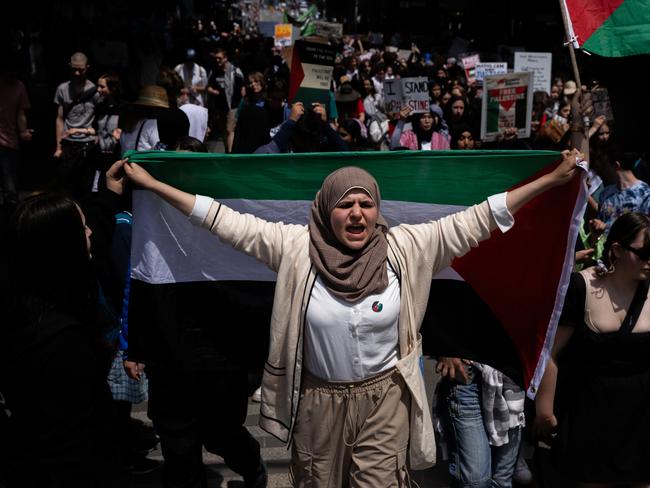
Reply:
x=500, y=212
x=201, y=208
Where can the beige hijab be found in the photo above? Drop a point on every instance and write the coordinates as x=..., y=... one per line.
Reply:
x=349, y=274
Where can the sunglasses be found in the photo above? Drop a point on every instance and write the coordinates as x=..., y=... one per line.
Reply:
x=643, y=253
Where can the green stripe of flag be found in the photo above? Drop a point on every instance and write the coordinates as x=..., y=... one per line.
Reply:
x=625, y=33
x=415, y=176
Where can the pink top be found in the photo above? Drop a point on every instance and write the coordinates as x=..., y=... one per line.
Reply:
x=410, y=140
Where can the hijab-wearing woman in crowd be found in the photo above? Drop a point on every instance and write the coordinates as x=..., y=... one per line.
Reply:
x=463, y=137
x=592, y=405
x=342, y=381
x=428, y=132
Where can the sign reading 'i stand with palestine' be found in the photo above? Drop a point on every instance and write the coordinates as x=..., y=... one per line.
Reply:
x=311, y=73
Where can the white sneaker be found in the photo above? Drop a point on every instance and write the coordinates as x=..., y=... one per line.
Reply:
x=522, y=474
x=257, y=395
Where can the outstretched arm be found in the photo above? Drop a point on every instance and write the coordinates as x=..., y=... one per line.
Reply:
x=564, y=172
x=183, y=201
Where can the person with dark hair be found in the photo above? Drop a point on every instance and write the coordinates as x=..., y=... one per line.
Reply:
x=255, y=89
x=428, y=131
x=276, y=105
x=191, y=144
x=376, y=118
x=251, y=122
x=342, y=383
x=260, y=120
x=226, y=88
x=462, y=137
x=350, y=132
x=456, y=112
x=106, y=124
x=305, y=131
x=592, y=404
x=56, y=359
x=173, y=122
x=623, y=192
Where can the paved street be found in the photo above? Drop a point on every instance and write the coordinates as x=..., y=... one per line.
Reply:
x=275, y=455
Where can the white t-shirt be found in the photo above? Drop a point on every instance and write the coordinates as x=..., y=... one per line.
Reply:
x=198, y=117
x=148, y=137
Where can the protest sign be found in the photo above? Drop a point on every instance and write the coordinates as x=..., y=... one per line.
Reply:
x=328, y=29
x=487, y=69
x=507, y=102
x=601, y=103
x=539, y=64
x=403, y=54
x=393, y=95
x=400, y=92
x=311, y=72
x=469, y=65
x=268, y=18
x=282, y=34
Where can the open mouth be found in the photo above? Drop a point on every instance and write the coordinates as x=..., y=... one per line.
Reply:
x=355, y=229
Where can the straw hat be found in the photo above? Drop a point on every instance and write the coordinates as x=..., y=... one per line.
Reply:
x=152, y=96
x=570, y=87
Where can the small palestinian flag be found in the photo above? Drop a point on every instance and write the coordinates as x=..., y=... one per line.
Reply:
x=499, y=304
x=611, y=28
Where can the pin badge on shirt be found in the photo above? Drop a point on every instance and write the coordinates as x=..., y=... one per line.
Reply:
x=377, y=306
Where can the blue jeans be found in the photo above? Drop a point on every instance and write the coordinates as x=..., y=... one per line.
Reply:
x=473, y=462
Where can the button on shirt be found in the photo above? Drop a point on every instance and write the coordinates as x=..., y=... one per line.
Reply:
x=352, y=341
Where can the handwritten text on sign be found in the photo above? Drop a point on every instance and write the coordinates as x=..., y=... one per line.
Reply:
x=413, y=92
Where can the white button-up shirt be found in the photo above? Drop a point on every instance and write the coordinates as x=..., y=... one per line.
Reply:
x=352, y=341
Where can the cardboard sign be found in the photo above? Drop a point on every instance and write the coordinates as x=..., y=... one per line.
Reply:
x=539, y=64
x=601, y=103
x=469, y=65
x=328, y=29
x=488, y=69
x=507, y=102
x=400, y=92
x=403, y=54
x=283, y=34
x=311, y=72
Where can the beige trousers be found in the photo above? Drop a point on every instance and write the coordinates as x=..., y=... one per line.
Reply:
x=352, y=434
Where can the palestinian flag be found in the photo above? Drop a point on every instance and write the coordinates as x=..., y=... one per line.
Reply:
x=611, y=28
x=499, y=304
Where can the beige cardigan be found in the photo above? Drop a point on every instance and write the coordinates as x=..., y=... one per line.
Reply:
x=416, y=253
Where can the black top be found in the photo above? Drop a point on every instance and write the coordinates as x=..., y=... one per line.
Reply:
x=602, y=398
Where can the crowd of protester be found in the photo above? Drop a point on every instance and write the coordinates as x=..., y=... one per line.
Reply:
x=67, y=383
